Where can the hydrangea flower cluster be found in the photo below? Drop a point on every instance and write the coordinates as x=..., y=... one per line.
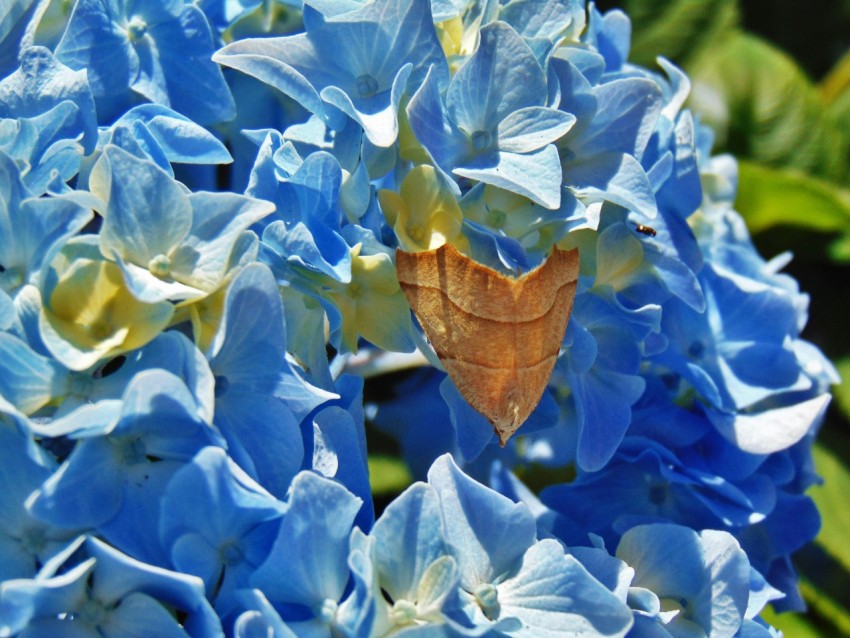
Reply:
x=201, y=203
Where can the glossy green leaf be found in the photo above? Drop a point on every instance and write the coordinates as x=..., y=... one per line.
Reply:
x=764, y=108
x=796, y=625
x=769, y=197
x=831, y=499
x=677, y=30
x=824, y=612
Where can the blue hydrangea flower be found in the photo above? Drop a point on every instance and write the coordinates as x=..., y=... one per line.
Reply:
x=338, y=449
x=356, y=63
x=26, y=543
x=494, y=126
x=217, y=524
x=164, y=136
x=307, y=569
x=182, y=373
x=705, y=590
x=156, y=51
x=506, y=579
x=114, y=477
x=63, y=400
x=92, y=590
x=32, y=229
x=177, y=246
x=260, y=397
x=41, y=83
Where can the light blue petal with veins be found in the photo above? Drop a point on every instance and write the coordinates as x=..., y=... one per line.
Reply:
x=307, y=564
x=409, y=538
x=555, y=597
x=613, y=177
x=218, y=220
x=625, y=119
x=501, y=77
x=532, y=128
x=39, y=84
x=537, y=175
x=484, y=551
x=180, y=139
x=546, y=19
x=27, y=379
x=148, y=212
x=285, y=64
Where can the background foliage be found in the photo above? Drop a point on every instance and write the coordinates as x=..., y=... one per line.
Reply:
x=773, y=78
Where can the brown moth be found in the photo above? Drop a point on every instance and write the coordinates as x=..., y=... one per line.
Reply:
x=497, y=336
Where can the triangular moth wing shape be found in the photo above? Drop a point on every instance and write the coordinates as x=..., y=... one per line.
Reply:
x=498, y=337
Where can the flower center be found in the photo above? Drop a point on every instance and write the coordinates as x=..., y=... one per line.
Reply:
x=133, y=452
x=487, y=597
x=481, y=140
x=136, y=28
x=231, y=554
x=403, y=612
x=327, y=610
x=160, y=266
x=367, y=85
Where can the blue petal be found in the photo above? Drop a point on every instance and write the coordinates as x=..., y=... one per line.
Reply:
x=262, y=436
x=626, y=117
x=307, y=564
x=472, y=429
x=148, y=212
x=612, y=177
x=211, y=503
x=535, y=175
x=249, y=349
x=501, y=77
x=433, y=128
x=554, y=595
x=341, y=432
x=409, y=538
x=184, y=46
x=488, y=532
x=180, y=139
x=40, y=83
x=543, y=19
x=532, y=128
x=27, y=379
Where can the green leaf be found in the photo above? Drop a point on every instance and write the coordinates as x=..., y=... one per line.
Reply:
x=769, y=197
x=831, y=499
x=764, y=108
x=837, y=81
x=388, y=475
x=841, y=392
x=835, y=89
x=792, y=625
x=825, y=611
x=678, y=30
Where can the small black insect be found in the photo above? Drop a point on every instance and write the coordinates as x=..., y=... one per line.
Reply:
x=649, y=231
